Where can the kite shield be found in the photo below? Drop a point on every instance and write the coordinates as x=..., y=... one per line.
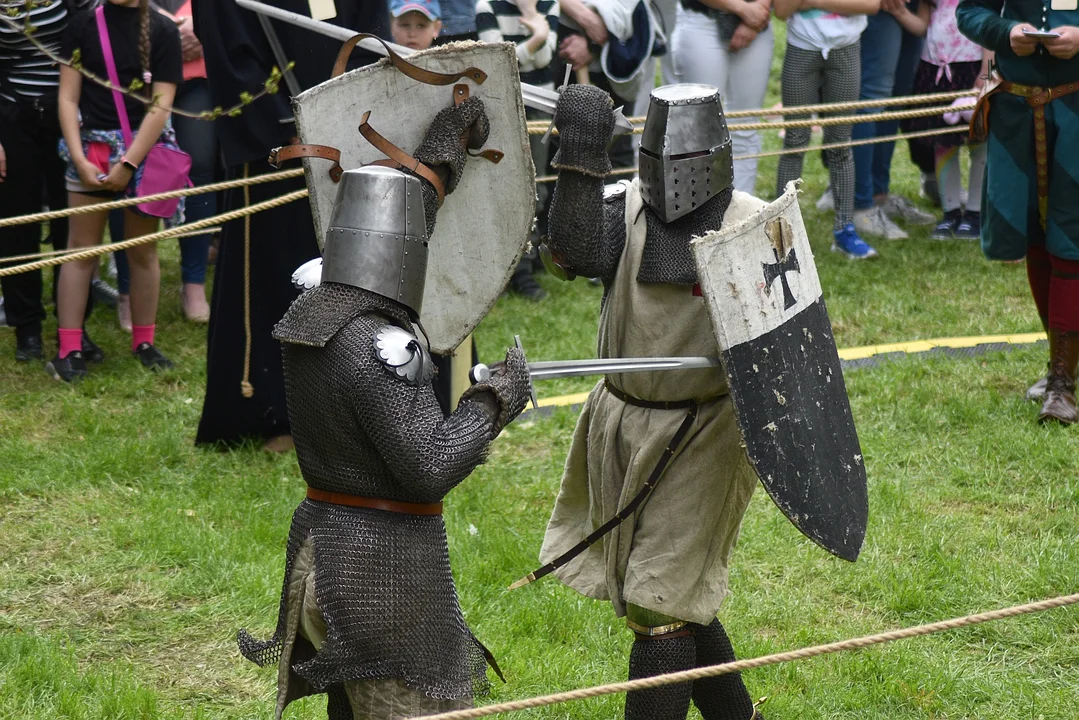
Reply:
x=484, y=225
x=764, y=297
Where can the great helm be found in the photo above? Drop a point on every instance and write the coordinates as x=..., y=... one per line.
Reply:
x=685, y=154
x=377, y=239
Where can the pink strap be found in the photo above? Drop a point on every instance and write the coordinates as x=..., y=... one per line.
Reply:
x=114, y=78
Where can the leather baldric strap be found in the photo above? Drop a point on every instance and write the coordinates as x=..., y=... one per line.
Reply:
x=1037, y=98
x=427, y=77
x=324, y=152
x=394, y=506
x=399, y=159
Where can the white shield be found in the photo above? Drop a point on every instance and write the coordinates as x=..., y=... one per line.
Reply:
x=483, y=226
x=775, y=338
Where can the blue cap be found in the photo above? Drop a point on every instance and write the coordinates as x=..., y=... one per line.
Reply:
x=430, y=8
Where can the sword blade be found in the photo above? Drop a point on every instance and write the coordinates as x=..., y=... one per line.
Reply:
x=552, y=369
x=534, y=97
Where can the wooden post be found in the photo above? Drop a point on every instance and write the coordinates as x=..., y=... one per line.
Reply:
x=460, y=364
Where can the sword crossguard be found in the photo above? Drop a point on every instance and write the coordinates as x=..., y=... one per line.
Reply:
x=531, y=385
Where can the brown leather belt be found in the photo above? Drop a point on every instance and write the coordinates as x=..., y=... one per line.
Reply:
x=395, y=506
x=1038, y=98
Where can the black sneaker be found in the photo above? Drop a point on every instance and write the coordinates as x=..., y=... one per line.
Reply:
x=68, y=369
x=103, y=293
x=945, y=229
x=28, y=348
x=526, y=286
x=970, y=227
x=90, y=350
x=151, y=358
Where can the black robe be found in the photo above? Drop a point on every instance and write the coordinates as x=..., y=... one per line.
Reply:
x=238, y=59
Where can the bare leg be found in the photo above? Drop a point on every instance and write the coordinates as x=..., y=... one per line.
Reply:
x=74, y=285
x=145, y=269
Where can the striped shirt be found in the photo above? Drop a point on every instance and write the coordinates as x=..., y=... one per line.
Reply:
x=500, y=21
x=26, y=72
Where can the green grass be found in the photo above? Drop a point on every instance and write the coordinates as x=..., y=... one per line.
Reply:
x=129, y=558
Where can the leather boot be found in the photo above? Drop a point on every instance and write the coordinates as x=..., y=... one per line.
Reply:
x=656, y=656
x=1060, y=388
x=1036, y=392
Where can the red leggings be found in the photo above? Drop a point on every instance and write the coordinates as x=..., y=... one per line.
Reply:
x=1054, y=282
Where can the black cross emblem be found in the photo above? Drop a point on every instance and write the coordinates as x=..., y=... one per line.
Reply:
x=779, y=269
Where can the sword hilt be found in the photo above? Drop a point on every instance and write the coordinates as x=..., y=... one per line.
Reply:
x=479, y=373
x=482, y=373
x=531, y=385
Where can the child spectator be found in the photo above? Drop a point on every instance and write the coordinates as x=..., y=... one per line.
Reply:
x=145, y=46
x=415, y=23
x=949, y=62
x=531, y=25
x=823, y=64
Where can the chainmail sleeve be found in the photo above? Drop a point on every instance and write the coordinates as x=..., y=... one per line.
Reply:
x=586, y=234
x=583, y=237
x=426, y=453
x=443, y=149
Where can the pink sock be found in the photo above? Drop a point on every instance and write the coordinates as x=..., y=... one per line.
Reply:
x=70, y=341
x=141, y=334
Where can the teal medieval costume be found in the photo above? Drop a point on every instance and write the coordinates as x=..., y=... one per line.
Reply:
x=1031, y=184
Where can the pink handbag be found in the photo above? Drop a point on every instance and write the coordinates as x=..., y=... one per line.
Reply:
x=166, y=167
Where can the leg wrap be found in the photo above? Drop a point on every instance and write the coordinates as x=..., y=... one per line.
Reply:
x=723, y=697
x=657, y=655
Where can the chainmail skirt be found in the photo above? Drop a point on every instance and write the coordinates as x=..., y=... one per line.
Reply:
x=387, y=601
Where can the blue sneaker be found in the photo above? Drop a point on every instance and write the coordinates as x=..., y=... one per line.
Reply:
x=850, y=244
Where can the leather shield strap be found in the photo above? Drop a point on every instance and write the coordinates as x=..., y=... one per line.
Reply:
x=291, y=152
x=427, y=77
x=398, y=158
x=395, y=506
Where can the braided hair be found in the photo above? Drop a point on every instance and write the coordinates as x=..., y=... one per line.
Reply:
x=144, y=42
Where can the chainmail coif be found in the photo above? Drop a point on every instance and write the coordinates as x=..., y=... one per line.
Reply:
x=667, y=257
x=657, y=656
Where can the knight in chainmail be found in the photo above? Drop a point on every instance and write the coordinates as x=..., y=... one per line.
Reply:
x=369, y=613
x=665, y=567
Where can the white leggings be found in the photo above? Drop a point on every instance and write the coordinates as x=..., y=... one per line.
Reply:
x=742, y=78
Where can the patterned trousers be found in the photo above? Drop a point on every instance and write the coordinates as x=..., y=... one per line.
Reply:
x=810, y=78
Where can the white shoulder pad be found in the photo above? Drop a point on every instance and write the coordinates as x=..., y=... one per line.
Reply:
x=308, y=275
x=614, y=191
x=403, y=355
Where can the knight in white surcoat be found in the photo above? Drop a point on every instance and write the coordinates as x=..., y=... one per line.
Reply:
x=671, y=436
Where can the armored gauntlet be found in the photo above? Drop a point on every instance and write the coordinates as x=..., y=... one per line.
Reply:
x=585, y=126
x=452, y=131
x=509, y=384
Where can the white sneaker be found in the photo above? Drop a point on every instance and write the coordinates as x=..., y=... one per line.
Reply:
x=827, y=200
x=874, y=223
x=897, y=207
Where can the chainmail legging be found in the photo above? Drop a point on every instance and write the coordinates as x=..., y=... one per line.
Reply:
x=810, y=78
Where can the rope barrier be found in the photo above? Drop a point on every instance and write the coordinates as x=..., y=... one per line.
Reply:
x=739, y=665
x=128, y=202
x=821, y=121
x=808, y=148
x=86, y=253
x=60, y=253
x=826, y=107
x=541, y=128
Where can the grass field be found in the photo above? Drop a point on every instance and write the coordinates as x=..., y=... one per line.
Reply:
x=129, y=558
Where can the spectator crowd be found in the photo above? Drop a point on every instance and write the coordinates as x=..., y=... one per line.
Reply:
x=63, y=143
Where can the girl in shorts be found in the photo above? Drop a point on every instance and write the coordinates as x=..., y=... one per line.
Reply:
x=145, y=48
